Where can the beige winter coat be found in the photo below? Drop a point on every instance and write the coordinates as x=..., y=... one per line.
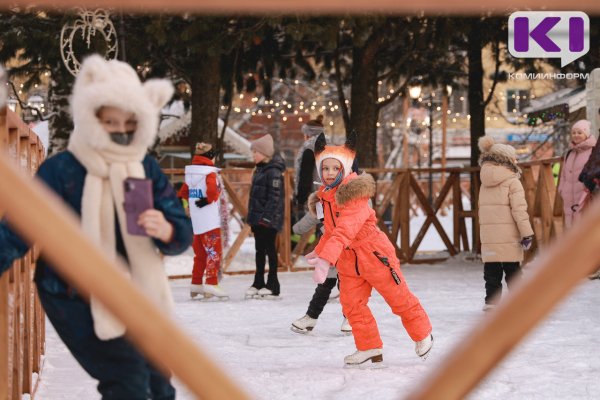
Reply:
x=503, y=218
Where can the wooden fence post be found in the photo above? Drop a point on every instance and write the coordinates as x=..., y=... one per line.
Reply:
x=21, y=316
x=32, y=207
x=6, y=329
x=5, y=314
x=286, y=235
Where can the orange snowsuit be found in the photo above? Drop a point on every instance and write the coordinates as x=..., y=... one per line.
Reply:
x=365, y=259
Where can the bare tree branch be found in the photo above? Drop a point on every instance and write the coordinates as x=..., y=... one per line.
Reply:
x=340, y=88
x=497, y=55
x=25, y=106
x=397, y=92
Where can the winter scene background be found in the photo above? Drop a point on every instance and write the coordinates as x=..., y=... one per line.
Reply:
x=252, y=341
x=419, y=87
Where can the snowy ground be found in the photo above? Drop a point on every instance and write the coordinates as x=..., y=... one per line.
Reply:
x=252, y=340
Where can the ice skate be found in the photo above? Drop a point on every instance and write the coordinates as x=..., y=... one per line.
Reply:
x=251, y=293
x=372, y=358
x=346, y=328
x=267, y=294
x=595, y=275
x=488, y=307
x=304, y=324
x=334, y=298
x=423, y=347
x=215, y=291
x=196, y=290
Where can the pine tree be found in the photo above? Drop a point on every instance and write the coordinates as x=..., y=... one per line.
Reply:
x=30, y=39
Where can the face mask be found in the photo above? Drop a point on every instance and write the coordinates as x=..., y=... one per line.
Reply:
x=122, y=138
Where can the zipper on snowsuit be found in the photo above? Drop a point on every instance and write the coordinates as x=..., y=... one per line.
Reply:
x=384, y=261
x=356, y=262
x=333, y=221
x=330, y=212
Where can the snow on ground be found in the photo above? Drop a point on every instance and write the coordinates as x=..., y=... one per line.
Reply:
x=252, y=340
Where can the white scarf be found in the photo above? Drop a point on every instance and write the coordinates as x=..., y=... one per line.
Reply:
x=103, y=194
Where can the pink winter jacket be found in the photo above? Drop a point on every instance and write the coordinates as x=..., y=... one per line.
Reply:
x=570, y=188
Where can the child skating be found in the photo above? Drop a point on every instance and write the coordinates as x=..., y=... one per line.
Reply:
x=504, y=225
x=202, y=190
x=265, y=215
x=364, y=257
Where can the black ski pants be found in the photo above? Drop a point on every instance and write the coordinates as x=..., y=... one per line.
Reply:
x=319, y=299
x=264, y=243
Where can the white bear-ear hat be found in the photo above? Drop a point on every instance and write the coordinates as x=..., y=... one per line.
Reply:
x=115, y=83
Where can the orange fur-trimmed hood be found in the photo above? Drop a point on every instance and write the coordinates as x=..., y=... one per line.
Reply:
x=352, y=188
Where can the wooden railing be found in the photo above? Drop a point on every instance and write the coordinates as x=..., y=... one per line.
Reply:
x=559, y=269
x=22, y=333
x=401, y=194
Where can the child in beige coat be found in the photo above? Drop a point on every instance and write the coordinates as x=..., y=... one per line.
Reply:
x=504, y=226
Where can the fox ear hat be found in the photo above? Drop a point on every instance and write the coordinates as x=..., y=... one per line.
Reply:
x=344, y=154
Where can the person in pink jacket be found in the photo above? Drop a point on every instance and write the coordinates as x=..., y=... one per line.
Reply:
x=569, y=187
x=364, y=256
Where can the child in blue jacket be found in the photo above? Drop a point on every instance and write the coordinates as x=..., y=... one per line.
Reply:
x=115, y=120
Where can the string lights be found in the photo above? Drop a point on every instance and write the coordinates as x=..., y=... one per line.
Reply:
x=327, y=103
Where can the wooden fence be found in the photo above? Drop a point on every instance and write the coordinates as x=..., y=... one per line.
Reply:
x=552, y=276
x=22, y=333
x=403, y=193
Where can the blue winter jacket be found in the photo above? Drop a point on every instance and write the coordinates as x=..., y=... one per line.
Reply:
x=65, y=175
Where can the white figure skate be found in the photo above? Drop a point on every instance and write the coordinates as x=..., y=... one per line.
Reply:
x=372, y=358
x=211, y=291
x=251, y=293
x=423, y=347
x=304, y=324
x=346, y=328
x=267, y=294
x=196, y=290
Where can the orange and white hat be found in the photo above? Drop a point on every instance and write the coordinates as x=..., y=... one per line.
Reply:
x=344, y=154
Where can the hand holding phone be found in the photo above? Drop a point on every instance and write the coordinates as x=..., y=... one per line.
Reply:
x=138, y=198
x=155, y=225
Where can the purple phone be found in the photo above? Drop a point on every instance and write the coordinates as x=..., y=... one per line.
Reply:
x=138, y=198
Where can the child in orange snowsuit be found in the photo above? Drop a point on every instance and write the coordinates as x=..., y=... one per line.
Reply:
x=364, y=256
